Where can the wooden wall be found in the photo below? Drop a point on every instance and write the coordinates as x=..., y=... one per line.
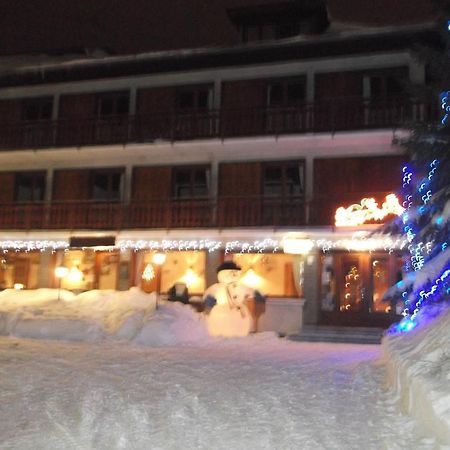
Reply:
x=249, y=97
x=10, y=111
x=7, y=183
x=343, y=181
x=72, y=184
x=240, y=179
x=151, y=183
x=155, y=100
x=77, y=106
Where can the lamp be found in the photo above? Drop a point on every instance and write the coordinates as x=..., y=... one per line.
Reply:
x=158, y=259
x=190, y=277
x=75, y=275
x=60, y=273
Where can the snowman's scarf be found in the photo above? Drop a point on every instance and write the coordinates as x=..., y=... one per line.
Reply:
x=232, y=303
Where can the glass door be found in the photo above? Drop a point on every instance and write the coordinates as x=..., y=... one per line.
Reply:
x=352, y=286
x=380, y=281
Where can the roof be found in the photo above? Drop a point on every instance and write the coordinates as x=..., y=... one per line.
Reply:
x=332, y=44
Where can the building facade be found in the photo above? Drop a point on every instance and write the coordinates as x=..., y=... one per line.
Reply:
x=213, y=153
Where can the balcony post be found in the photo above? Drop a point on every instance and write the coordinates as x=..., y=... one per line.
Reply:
x=132, y=114
x=47, y=197
x=213, y=190
x=55, y=115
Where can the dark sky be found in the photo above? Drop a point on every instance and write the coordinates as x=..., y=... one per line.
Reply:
x=130, y=26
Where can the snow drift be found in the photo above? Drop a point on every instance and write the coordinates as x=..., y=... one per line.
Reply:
x=418, y=368
x=129, y=316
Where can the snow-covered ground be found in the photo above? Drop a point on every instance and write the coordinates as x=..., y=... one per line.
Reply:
x=418, y=369
x=151, y=379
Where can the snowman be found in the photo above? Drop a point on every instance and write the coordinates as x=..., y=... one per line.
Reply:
x=226, y=302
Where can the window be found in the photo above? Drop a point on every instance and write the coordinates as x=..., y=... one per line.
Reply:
x=279, y=20
x=190, y=182
x=30, y=187
x=107, y=185
x=113, y=104
x=283, y=179
x=197, y=97
x=37, y=109
x=284, y=93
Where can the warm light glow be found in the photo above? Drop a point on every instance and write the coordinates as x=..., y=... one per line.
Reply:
x=75, y=275
x=367, y=211
x=61, y=272
x=149, y=273
x=159, y=259
x=190, y=278
x=251, y=279
x=18, y=286
x=297, y=246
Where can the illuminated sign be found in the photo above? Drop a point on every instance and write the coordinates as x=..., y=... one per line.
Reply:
x=367, y=211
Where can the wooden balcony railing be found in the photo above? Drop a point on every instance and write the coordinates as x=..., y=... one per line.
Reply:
x=225, y=212
x=326, y=116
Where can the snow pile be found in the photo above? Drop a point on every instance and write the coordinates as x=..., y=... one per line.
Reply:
x=418, y=367
x=98, y=315
x=173, y=324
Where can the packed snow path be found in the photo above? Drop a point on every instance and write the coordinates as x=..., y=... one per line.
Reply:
x=252, y=393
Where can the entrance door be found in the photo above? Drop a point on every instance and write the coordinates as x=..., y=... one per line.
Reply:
x=359, y=282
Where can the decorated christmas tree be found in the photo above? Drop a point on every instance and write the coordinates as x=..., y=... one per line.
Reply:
x=425, y=223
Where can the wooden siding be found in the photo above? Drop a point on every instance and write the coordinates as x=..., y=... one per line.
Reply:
x=76, y=112
x=240, y=179
x=71, y=185
x=155, y=100
x=7, y=183
x=77, y=106
x=343, y=181
x=248, y=96
x=239, y=194
x=151, y=183
x=10, y=111
x=338, y=84
x=244, y=93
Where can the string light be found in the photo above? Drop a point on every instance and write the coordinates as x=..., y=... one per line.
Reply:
x=166, y=245
x=288, y=245
x=445, y=105
x=414, y=295
x=33, y=245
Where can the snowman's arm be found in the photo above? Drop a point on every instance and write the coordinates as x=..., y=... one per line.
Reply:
x=210, y=302
x=259, y=297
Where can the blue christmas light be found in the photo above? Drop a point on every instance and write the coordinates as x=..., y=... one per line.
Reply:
x=445, y=105
x=418, y=197
x=404, y=325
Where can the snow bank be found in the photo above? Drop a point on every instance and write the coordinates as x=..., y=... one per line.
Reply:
x=418, y=367
x=96, y=315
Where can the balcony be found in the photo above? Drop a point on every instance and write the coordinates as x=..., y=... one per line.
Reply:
x=331, y=116
x=225, y=212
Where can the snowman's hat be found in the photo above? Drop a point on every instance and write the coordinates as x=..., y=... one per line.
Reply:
x=228, y=265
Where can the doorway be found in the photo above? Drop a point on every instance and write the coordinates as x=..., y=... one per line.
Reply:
x=353, y=287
